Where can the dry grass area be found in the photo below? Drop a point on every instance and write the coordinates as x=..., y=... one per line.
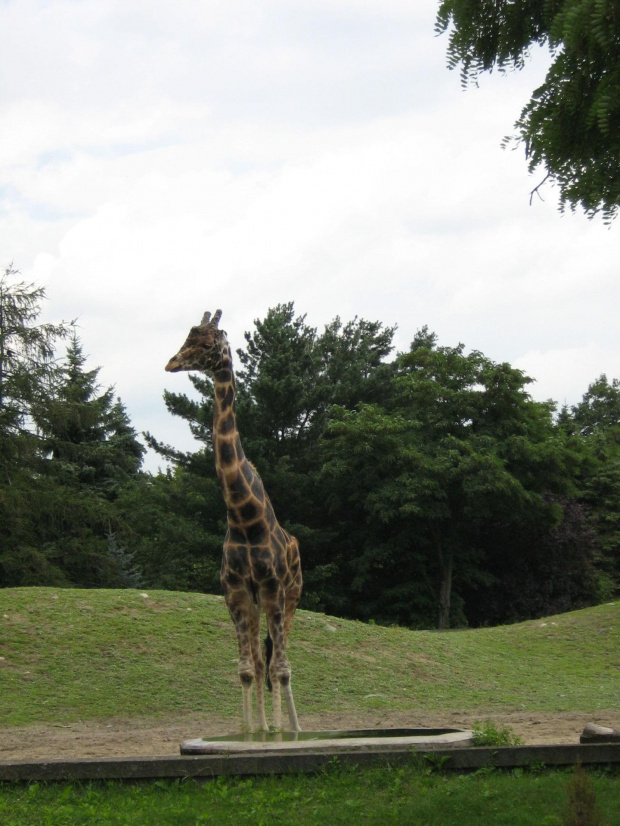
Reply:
x=142, y=737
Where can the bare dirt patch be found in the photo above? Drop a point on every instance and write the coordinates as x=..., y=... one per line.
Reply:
x=155, y=737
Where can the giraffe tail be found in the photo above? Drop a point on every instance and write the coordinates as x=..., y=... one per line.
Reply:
x=268, y=655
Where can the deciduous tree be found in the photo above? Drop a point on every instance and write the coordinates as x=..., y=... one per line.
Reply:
x=429, y=491
x=595, y=421
x=571, y=126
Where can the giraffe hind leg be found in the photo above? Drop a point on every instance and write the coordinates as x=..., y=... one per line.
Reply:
x=291, y=601
x=268, y=656
x=273, y=685
x=259, y=670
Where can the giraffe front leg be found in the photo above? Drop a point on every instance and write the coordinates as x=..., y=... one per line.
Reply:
x=277, y=703
x=241, y=614
x=246, y=689
x=260, y=704
x=280, y=673
x=290, y=705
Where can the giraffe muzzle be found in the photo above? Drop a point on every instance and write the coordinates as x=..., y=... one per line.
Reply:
x=173, y=366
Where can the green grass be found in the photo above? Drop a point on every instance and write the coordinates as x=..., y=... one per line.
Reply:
x=396, y=796
x=85, y=654
x=71, y=655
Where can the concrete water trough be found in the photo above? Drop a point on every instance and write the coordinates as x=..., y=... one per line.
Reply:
x=397, y=739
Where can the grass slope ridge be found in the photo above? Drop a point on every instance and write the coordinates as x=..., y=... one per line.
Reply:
x=68, y=655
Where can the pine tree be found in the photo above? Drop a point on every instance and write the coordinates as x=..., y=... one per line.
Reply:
x=86, y=434
x=67, y=449
x=27, y=368
x=27, y=374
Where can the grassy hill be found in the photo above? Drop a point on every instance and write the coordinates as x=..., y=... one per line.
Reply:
x=71, y=655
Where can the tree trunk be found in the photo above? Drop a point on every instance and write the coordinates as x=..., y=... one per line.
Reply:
x=445, y=586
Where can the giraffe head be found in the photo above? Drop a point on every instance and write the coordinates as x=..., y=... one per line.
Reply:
x=204, y=348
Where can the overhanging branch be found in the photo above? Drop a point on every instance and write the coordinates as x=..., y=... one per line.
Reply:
x=536, y=188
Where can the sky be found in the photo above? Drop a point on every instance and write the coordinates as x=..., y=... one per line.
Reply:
x=159, y=159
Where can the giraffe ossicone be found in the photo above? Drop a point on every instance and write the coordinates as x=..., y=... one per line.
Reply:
x=261, y=567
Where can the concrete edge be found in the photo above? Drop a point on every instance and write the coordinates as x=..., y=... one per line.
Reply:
x=209, y=766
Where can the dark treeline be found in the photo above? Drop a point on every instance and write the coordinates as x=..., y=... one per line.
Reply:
x=426, y=488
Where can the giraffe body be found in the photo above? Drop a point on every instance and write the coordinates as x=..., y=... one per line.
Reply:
x=261, y=568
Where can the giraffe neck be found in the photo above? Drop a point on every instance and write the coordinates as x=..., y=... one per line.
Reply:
x=226, y=442
x=237, y=477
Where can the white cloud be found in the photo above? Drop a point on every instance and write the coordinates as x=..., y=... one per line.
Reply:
x=565, y=375
x=166, y=158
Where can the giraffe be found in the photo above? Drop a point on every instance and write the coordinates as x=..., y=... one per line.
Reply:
x=261, y=568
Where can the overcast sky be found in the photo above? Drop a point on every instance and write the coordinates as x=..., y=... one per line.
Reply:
x=159, y=159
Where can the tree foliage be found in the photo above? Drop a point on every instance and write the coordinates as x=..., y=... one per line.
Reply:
x=423, y=489
x=66, y=450
x=596, y=422
x=435, y=487
x=27, y=350
x=571, y=126
x=85, y=432
x=172, y=524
